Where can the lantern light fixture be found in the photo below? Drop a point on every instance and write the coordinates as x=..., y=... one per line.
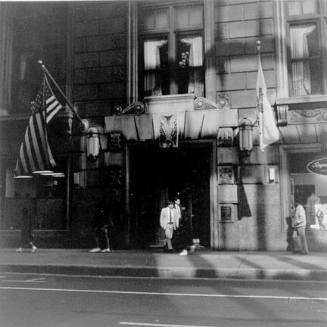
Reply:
x=246, y=136
x=93, y=144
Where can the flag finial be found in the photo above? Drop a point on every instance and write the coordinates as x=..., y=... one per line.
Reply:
x=41, y=63
x=258, y=43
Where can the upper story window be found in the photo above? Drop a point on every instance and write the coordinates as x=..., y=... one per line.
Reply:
x=172, y=59
x=307, y=46
x=37, y=31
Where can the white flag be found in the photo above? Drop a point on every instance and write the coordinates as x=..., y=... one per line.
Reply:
x=268, y=128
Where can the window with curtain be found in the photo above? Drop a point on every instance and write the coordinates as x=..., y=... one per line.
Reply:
x=156, y=80
x=306, y=21
x=190, y=65
x=172, y=44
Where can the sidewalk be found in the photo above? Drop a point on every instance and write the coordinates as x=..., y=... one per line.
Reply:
x=202, y=264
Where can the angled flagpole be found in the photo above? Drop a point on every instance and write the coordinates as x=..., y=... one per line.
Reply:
x=83, y=122
x=259, y=98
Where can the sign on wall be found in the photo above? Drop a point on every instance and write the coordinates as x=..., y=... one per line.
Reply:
x=318, y=166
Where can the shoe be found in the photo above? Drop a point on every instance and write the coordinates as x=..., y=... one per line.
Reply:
x=19, y=250
x=184, y=252
x=34, y=248
x=95, y=250
x=106, y=250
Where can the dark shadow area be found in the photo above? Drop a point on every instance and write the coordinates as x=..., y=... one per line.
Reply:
x=298, y=263
x=251, y=306
x=289, y=234
x=244, y=207
x=157, y=175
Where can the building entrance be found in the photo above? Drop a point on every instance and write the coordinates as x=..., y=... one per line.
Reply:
x=157, y=175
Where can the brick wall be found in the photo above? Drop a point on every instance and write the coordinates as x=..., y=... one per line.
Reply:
x=99, y=57
x=238, y=25
x=257, y=222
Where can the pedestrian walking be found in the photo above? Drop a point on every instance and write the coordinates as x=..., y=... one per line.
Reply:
x=26, y=232
x=169, y=222
x=103, y=225
x=299, y=225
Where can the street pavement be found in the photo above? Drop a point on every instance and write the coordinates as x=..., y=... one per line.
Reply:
x=154, y=263
x=30, y=300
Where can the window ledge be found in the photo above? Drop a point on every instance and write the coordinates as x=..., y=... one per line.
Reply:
x=308, y=99
x=170, y=103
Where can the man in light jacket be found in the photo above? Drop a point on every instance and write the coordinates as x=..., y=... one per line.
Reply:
x=299, y=223
x=169, y=222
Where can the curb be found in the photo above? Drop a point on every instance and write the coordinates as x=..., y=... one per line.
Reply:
x=171, y=272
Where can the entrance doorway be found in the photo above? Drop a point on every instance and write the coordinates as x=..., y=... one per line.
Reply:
x=157, y=175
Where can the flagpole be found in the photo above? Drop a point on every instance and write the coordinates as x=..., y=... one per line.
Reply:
x=260, y=97
x=45, y=70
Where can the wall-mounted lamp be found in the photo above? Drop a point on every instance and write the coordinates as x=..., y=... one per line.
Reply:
x=93, y=144
x=246, y=136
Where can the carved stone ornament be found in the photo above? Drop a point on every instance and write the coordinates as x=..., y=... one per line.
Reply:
x=223, y=101
x=115, y=141
x=136, y=108
x=226, y=174
x=114, y=177
x=168, y=137
x=308, y=116
x=201, y=103
x=225, y=136
x=282, y=115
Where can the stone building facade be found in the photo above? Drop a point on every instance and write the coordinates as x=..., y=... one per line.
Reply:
x=130, y=66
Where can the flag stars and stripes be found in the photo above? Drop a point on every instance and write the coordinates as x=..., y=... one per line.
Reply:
x=35, y=153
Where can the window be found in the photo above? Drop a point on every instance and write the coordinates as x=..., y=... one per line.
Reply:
x=172, y=49
x=39, y=32
x=308, y=189
x=306, y=28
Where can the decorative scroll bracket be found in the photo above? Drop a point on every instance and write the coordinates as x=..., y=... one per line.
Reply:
x=137, y=108
x=282, y=115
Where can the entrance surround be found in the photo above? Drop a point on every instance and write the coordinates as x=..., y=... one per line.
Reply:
x=195, y=125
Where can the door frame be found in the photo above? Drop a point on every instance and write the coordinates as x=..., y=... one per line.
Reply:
x=213, y=191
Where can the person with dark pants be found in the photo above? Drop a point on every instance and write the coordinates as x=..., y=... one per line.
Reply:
x=102, y=226
x=26, y=236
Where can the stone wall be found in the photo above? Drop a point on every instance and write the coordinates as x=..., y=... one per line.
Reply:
x=99, y=83
x=256, y=222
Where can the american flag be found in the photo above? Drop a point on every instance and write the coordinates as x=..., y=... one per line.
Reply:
x=35, y=153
